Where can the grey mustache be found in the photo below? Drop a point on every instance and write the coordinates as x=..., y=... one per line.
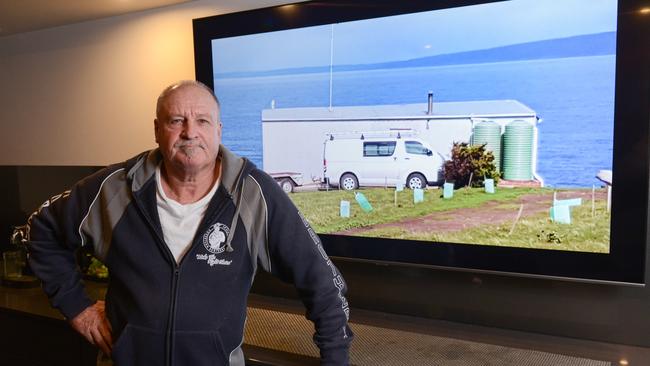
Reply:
x=188, y=144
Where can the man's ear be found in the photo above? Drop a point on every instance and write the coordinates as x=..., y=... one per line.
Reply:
x=155, y=129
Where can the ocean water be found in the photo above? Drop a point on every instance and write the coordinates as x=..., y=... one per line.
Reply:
x=573, y=96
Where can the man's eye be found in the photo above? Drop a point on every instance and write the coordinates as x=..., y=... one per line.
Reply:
x=175, y=121
x=204, y=121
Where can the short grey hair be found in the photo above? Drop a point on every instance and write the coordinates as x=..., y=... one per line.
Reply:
x=181, y=84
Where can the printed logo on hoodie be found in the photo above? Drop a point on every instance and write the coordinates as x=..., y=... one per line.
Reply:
x=215, y=238
x=214, y=241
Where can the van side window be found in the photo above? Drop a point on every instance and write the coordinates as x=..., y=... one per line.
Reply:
x=378, y=148
x=414, y=147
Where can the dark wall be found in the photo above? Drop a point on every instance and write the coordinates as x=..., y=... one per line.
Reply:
x=10, y=212
x=25, y=188
x=28, y=339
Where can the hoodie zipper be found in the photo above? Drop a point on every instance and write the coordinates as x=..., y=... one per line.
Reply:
x=172, y=317
x=176, y=274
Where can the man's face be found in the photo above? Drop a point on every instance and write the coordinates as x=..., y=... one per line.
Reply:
x=188, y=130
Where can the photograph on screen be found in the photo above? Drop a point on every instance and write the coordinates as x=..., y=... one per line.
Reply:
x=488, y=124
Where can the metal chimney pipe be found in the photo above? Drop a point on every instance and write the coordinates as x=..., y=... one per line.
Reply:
x=430, y=108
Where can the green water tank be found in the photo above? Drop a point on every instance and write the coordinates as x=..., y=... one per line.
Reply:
x=518, y=150
x=489, y=133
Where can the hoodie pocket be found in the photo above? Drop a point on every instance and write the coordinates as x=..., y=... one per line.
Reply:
x=199, y=349
x=138, y=346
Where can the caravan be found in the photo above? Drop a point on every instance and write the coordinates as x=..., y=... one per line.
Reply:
x=381, y=159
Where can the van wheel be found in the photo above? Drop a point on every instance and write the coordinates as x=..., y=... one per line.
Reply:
x=286, y=185
x=416, y=180
x=349, y=182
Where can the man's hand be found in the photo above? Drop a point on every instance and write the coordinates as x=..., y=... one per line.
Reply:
x=92, y=324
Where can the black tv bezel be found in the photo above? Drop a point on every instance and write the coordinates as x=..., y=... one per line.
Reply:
x=625, y=264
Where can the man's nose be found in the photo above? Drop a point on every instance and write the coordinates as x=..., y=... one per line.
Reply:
x=189, y=129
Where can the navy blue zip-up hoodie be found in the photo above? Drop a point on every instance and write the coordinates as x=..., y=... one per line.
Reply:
x=191, y=313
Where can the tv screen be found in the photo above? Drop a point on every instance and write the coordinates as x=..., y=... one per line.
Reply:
x=476, y=135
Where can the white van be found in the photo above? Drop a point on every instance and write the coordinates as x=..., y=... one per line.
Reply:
x=362, y=160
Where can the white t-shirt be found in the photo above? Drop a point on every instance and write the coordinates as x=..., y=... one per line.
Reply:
x=179, y=222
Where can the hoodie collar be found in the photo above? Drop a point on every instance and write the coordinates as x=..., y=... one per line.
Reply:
x=232, y=168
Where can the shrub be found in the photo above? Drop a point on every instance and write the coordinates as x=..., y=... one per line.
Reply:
x=469, y=161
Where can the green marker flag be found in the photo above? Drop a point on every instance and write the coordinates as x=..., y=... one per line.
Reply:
x=363, y=201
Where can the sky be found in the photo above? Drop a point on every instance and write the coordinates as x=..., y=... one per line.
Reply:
x=417, y=35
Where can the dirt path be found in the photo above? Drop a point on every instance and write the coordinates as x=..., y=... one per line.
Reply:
x=491, y=212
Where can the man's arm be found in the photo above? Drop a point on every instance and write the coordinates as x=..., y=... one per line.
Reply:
x=296, y=255
x=52, y=244
x=53, y=238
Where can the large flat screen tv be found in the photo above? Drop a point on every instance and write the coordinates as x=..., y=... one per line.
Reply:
x=498, y=136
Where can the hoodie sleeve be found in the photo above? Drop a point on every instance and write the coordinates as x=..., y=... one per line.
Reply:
x=294, y=253
x=54, y=237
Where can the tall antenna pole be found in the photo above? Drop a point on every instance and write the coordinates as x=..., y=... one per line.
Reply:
x=331, y=62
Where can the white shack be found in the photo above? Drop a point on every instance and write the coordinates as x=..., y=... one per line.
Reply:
x=293, y=138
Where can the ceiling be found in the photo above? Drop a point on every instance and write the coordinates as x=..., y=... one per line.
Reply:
x=18, y=16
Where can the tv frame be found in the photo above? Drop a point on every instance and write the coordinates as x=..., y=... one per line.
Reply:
x=624, y=264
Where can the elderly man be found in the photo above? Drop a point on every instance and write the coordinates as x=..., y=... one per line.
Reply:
x=183, y=229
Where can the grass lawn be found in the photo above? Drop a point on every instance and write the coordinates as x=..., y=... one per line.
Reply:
x=322, y=208
x=586, y=233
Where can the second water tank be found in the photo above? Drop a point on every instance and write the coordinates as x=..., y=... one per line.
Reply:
x=518, y=151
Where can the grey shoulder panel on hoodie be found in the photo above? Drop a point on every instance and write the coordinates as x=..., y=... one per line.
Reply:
x=104, y=212
x=250, y=206
x=112, y=199
x=254, y=216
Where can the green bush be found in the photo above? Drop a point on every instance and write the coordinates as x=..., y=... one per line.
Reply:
x=468, y=161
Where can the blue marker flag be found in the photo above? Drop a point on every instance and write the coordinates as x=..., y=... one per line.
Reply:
x=448, y=190
x=489, y=185
x=561, y=214
x=569, y=202
x=345, y=208
x=418, y=195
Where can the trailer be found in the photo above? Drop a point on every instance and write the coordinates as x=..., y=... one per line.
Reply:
x=288, y=181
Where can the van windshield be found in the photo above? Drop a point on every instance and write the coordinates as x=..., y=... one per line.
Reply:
x=414, y=147
x=378, y=148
